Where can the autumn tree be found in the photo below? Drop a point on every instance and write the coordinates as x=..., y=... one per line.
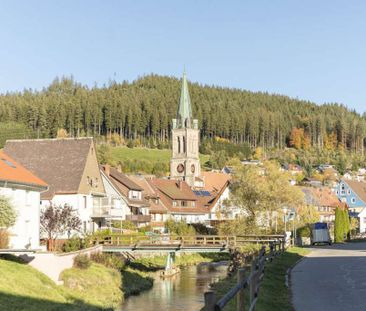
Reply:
x=58, y=220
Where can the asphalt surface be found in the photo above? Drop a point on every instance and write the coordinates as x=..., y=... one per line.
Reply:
x=331, y=278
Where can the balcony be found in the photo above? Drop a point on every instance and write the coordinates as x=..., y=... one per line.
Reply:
x=105, y=207
x=138, y=218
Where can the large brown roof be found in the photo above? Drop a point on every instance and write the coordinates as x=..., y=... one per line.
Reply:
x=174, y=189
x=320, y=196
x=59, y=162
x=215, y=181
x=11, y=171
x=358, y=187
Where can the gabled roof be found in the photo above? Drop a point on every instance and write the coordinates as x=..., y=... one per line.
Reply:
x=59, y=162
x=214, y=181
x=358, y=187
x=11, y=171
x=174, y=189
x=321, y=196
x=123, y=179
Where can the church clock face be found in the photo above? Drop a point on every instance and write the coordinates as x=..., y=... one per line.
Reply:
x=180, y=168
x=193, y=168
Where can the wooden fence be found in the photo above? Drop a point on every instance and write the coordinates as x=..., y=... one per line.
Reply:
x=251, y=282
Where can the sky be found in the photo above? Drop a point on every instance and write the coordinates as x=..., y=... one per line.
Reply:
x=313, y=50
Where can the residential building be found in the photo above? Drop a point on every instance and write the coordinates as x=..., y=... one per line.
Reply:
x=23, y=189
x=353, y=193
x=113, y=207
x=70, y=167
x=138, y=212
x=324, y=200
x=157, y=209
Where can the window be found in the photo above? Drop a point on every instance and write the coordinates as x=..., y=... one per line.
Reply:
x=348, y=192
x=184, y=144
x=85, y=201
x=353, y=200
x=193, y=204
x=364, y=220
x=183, y=203
x=178, y=140
x=84, y=226
x=337, y=192
x=174, y=203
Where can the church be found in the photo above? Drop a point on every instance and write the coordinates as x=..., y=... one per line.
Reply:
x=191, y=194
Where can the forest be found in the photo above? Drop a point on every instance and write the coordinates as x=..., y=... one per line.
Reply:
x=143, y=109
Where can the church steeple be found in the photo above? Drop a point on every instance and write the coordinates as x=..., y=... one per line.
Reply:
x=185, y=162
x=184, y=115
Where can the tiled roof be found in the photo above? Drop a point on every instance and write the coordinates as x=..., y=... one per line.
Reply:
x=358, y=187
x=214, y=182
x=11, y=171
x=59, y=162
x=122, y=178
x=320, y=196
x=174, y=189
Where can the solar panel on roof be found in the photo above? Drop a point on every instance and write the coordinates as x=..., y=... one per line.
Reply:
x=202, y=193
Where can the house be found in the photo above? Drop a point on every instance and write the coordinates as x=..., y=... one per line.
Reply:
x=113, y=207
x=324, y=200
x=158, y=211
x=180, y=200
x=133, y=194
x=23, y=189
x=70, y=167
x=353, y=193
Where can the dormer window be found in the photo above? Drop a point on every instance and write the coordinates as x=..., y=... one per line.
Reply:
x=174, y=203
x=136, y=195
x=183, y=203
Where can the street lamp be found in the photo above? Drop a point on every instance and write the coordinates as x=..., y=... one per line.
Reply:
x=285, y=216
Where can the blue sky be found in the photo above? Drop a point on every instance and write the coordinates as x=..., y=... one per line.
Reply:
x=314, y=50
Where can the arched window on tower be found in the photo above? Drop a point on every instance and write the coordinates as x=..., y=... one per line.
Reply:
x=184, y=144
x=178, y=138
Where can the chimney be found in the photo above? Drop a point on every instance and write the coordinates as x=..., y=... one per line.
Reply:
x=107, y=169
x=180, y=184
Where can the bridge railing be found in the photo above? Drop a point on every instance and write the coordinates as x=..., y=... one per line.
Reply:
x=251, y=282
x=189, y=240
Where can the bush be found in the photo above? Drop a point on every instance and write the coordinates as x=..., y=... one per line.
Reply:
x=109, y=260
x=304, y=232
x=82, y=261
x=73, y=244
x=4, y=239
x=126, y=224
x=179, y=227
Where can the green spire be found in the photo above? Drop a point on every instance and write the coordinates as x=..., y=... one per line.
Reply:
x=184, y=115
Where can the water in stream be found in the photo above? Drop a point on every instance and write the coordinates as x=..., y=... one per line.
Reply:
x=183, y=291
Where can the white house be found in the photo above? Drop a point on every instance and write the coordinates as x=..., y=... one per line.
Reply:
x=23, y=189
x=70, y=167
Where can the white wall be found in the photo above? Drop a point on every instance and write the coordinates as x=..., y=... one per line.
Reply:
x=83, y=204
x=25, y=232
x=362, y=220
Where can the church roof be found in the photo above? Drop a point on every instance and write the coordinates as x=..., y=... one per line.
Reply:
x=184, y=108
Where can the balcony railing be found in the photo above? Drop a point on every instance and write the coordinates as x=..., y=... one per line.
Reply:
x=139, y=218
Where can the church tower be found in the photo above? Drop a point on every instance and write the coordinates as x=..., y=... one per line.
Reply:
x=185, y=162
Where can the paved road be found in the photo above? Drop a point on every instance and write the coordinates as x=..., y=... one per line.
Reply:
x=331, y=278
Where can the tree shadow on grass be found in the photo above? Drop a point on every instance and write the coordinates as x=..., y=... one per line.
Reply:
x=11, y=302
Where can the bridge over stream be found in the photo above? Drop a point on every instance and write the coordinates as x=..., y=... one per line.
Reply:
x=127, y=245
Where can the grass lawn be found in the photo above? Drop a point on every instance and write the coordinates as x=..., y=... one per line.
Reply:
x=24, y=288
x=151, y=155
x=98, y=285
x=273, y=295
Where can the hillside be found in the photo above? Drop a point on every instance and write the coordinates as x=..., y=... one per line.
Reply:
x=144, y=160
x=24, y=288
x=142, y=110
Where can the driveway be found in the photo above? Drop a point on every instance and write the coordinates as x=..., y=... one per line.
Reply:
x=331, y=278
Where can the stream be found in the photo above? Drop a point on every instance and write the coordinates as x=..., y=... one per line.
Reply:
x=183, y=291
